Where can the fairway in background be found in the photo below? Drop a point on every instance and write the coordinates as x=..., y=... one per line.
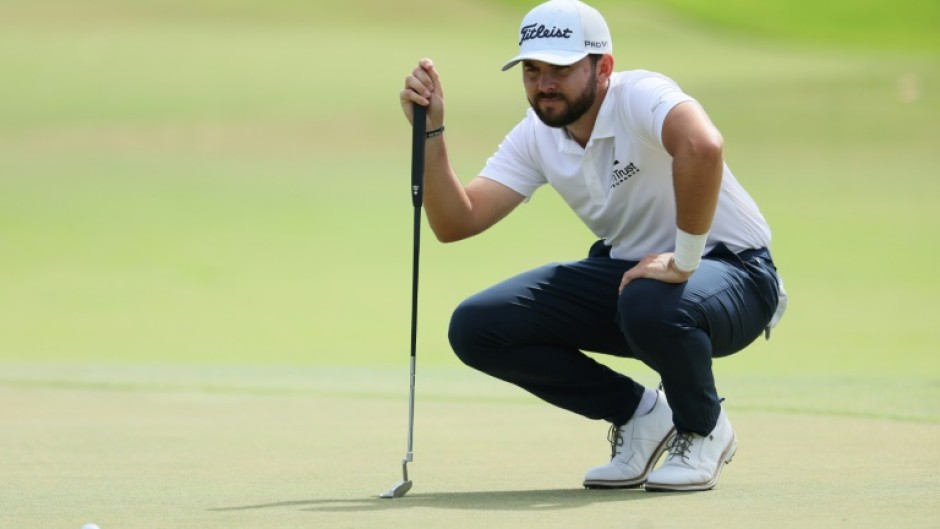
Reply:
x=205, y=250
x=225, y=183
x=871, y=25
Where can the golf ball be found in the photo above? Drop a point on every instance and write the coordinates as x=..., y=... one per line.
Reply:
x=90, y=526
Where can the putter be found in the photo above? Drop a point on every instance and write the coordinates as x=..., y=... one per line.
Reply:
x=417, y=181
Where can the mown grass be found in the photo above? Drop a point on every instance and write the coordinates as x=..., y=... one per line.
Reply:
x=869, y=24
x=218, y=183
x=205, y=250
x=872, y=25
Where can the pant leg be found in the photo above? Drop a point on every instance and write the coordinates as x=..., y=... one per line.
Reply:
x=530, y=330
x=678, y=329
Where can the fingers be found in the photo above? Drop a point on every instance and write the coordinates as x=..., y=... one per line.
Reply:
x=423, y=87
x=436, y=86
x=418, y=89
x=623, y=282
x=421, y=84
x=654, y=266
x=638, y=271
x=633, y=273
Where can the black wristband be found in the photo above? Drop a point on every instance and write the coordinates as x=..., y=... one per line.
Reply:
x=432, y=133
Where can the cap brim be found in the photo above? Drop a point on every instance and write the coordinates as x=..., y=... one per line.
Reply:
x=557, y=57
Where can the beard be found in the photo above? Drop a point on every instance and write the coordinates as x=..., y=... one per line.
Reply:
x=572, y=110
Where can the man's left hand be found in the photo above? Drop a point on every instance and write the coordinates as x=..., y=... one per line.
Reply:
x=661, y=267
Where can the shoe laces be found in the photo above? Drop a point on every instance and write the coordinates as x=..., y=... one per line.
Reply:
x=615, y=439
x=680, y=445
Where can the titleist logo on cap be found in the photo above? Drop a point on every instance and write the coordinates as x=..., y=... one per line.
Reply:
x=539, y=31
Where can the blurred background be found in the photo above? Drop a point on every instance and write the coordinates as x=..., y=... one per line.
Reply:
x=215, y=192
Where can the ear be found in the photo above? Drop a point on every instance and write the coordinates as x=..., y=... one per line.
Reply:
x=605, y=68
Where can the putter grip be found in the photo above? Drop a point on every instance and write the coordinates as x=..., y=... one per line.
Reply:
x=417, y=154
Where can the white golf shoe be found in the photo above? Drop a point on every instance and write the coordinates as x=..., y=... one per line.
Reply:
x=635, y=448
x=695, y=461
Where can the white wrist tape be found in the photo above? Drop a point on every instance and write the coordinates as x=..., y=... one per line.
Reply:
x=689, y=250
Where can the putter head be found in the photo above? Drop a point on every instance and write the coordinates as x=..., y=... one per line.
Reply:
x=398, y=490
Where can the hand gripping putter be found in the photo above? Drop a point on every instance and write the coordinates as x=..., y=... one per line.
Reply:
x=417, y=181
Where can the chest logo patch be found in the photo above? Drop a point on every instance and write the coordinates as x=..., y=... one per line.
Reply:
x=623, y=173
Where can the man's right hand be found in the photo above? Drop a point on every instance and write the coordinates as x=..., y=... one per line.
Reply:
x=454, y=211
x=423, y=87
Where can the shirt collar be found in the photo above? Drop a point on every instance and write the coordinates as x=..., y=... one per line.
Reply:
x=604, y=125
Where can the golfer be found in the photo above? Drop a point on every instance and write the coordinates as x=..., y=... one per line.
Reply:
x=681, y=273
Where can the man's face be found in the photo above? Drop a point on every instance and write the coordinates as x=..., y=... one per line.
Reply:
x=560, y=95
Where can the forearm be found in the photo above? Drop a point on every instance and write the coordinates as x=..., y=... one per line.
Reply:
x=446, y=202
x=455, y=211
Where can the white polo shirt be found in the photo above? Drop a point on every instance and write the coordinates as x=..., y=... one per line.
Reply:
x=620, y=184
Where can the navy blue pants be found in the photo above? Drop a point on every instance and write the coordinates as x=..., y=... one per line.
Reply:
x=531, y=330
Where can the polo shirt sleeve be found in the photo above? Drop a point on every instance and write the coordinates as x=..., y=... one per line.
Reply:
x=514, y=164
x=649, y=99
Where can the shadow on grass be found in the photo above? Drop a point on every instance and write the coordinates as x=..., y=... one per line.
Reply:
x=508, y=500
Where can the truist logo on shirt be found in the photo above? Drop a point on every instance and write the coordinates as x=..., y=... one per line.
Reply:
x=622, y=174
x=539, y=31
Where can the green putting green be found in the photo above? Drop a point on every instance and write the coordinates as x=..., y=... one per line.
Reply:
x=205, y=267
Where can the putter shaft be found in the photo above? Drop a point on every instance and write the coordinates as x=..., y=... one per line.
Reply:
x=417, y=184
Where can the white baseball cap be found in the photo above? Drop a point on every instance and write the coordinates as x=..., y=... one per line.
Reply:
x=561, y=32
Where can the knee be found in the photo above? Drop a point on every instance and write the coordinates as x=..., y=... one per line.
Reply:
x=467, y=333
x=651, y=320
